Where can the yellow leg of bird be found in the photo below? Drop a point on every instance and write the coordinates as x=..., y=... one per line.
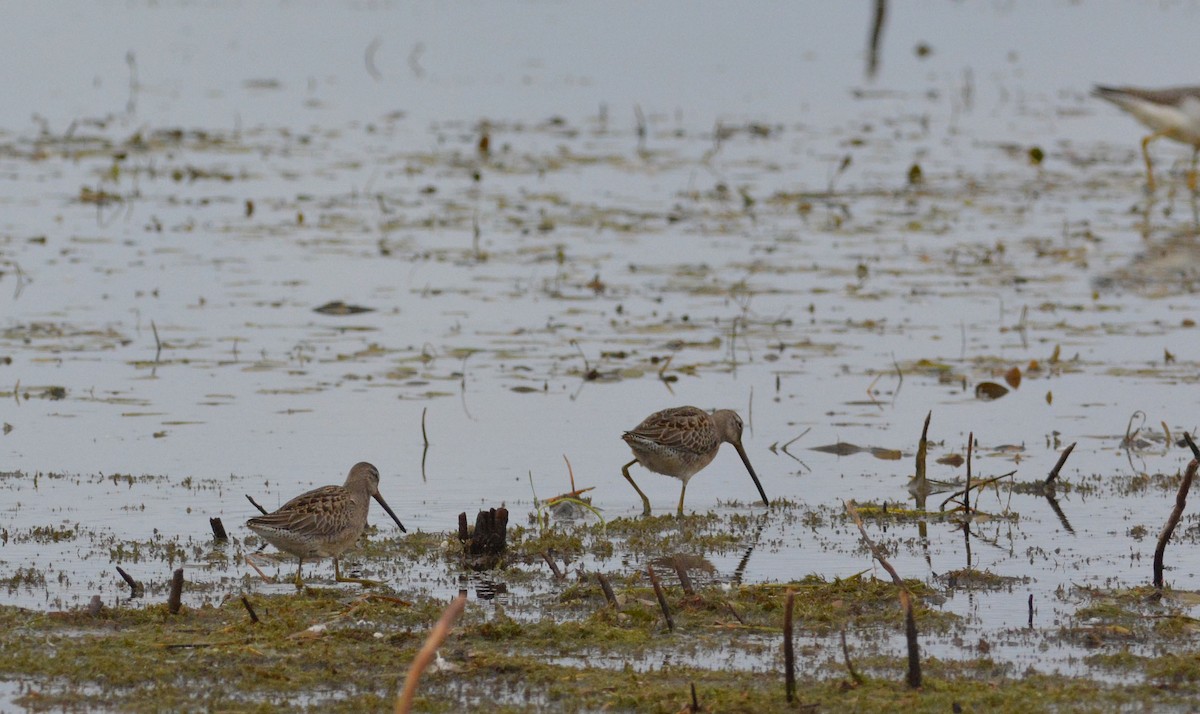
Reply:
x=337, y=575
x=1146, y=156
x=299, y=581
x=681, y=492
x=645, y=501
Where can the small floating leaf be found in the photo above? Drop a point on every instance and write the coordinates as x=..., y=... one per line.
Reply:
x=954, y=460
x=987, y=391
x=337, y=307
x=1013, y=377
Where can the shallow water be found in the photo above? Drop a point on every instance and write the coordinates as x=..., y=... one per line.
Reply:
x=271, y=160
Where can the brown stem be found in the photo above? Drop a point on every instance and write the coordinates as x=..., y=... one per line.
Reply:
x=789, y=652
x=1062, y=459
x=428, y=652
x=662, y=598
x=1176, y=514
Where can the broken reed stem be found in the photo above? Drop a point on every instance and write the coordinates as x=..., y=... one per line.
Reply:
x=246, y=604
x=846, y=657
x=1176, y=513
x=255, y=504
x=1031, y=611
x=424, y=435
x=1192, y=445
x=157, y=342
x=789, y=650
x=1062, y=459
x=606, y=587
x=967, y=491
x=136, y=589
x=571, y=474
x=910, y=634
x=695, y=700
x=875, y=551
x=553, y=566
x=685, y=581
x=921, y=451
x=662, y=598
x=428, y=652
x=174, y=600
x=976, y=486
x=218, y=529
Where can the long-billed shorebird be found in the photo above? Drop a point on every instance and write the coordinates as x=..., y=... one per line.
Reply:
x=326, y=521
x=1173, y=113
x=680, y=442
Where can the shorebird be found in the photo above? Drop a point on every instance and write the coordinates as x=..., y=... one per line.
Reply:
x=679, y=442
x=326, y=521
x=1173, y=113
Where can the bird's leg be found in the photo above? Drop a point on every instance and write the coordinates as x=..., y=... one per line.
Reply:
x=337, y=575
x=299, y=581
x=1146, y=156
x=681, y=492
x=645, y=501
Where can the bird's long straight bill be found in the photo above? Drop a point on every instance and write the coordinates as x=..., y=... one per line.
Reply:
x=746, y=461
x=397, y=520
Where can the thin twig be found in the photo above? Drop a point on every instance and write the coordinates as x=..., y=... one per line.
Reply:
x=255, y=504
x=967, y=490
x=424, y=435
x=246, y=604
x=922, y=449
x=846, y=656
x=910, y=634
x=1173, y=520
x=157, y=342
x=662, y=598
x=136, y=589
x=977, y=485
x=558, y=575
x=875, y=551
x=428, y=652
x=1062, y=459
x=685, y=582
x=609, y=595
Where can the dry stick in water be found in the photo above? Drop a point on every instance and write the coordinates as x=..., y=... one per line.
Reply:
x=136, y=589
x=846, y=656
x=1176, y=513
x=685, y=582
x=977, y=486
x=246, y=604
x=1062, y=459
x=921, y=451
x=558, y=575
x=662, y=598
x=1031, y=611
x=967, y=490
x=428, y=652
x=218, y=529
x=255, y=504
x=174, y=599
x=910, y=634
x=910, y=620
x=607, y=588
x=789, y=651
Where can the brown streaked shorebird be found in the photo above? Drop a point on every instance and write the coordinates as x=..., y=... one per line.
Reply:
x=326, y=521
x=679, y=442
x=1173, y=113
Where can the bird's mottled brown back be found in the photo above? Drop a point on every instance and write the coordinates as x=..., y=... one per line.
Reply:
x=685, y=429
